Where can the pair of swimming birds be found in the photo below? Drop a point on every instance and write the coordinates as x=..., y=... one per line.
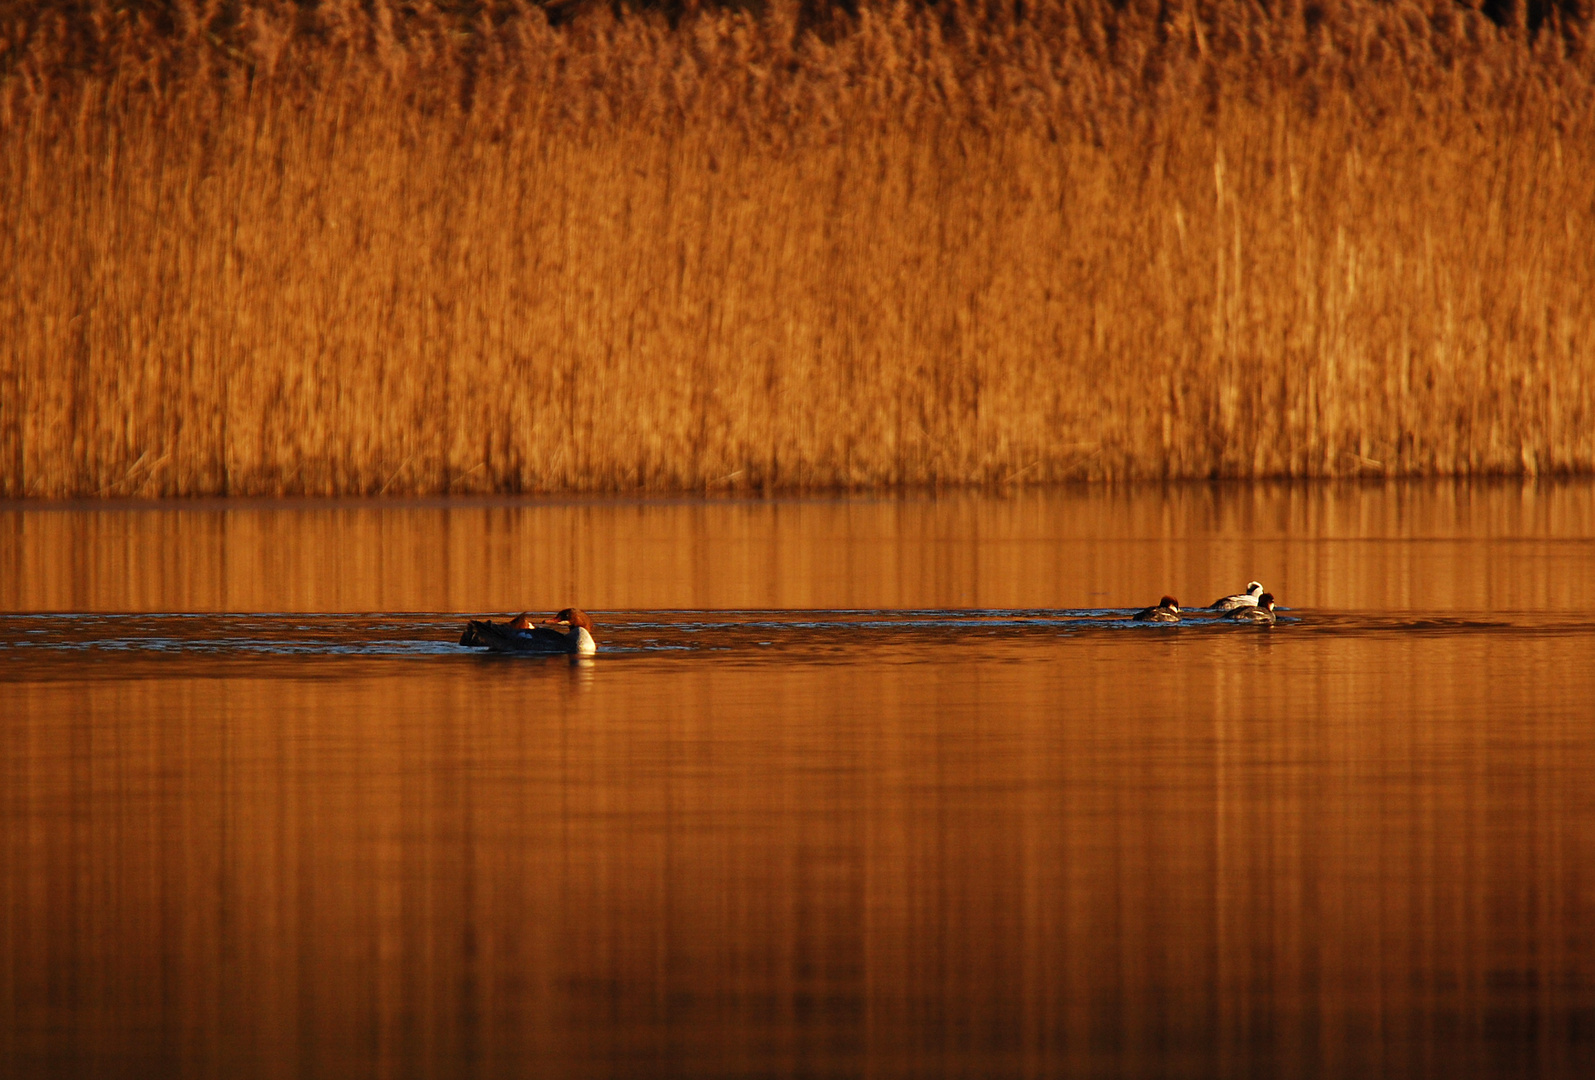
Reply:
x=1252, y=606
x=569, y=632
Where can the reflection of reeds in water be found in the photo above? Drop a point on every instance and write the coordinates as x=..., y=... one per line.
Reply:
x=1442, y=548
x=1310, y=866
x=363, y=254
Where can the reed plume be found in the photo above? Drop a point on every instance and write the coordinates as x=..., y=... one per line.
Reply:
x=254, y=248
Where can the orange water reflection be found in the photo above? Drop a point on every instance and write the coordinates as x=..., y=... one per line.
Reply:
x=1355, y=845
x=1419, y=546
x=1216, y=856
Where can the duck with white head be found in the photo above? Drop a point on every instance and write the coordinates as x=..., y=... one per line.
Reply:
x=1224, y=604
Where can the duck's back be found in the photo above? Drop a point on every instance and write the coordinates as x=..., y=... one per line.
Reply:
x=506, y=637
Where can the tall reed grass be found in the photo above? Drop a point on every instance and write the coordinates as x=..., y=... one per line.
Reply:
x=254, y=248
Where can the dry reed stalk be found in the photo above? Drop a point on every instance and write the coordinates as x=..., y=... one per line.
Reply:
x=397, y=254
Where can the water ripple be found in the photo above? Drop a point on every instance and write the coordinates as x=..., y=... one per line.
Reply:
x=763, y=634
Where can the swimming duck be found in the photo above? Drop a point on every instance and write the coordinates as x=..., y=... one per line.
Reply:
x=1262, y=614
x=1167, y=610
x=569, y=632
x=1254, y=589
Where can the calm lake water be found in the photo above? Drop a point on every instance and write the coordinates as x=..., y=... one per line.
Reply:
x=882, y=787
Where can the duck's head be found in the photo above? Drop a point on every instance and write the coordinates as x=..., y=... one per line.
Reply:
x=1254, y=588
x=1170, y=603
x=523, y=621
x=1266, y=601
x=574, y=618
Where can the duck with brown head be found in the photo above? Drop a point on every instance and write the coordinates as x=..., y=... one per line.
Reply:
x=1167, y=610
x=1262, y=614
x=578, y=632
x=569, y=632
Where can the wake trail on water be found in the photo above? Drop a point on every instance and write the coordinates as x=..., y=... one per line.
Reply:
x=622, y=634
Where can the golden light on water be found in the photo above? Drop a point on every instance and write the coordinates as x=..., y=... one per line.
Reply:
x=911, y=840
x=1481, y=546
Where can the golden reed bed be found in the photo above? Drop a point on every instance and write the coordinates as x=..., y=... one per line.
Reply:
x=250, y=249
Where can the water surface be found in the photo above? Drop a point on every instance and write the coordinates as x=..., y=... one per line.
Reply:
x=856, y=787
